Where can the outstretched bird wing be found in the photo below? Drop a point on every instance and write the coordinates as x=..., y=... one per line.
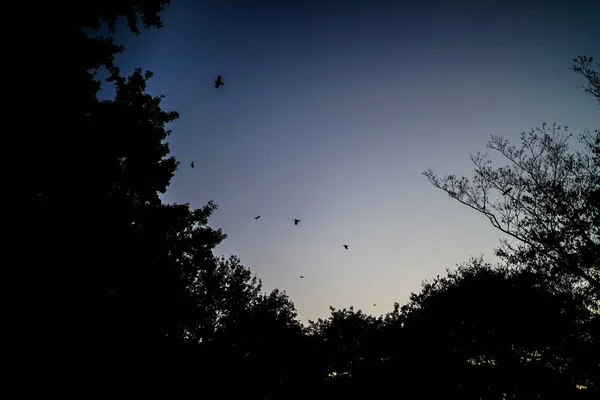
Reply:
x=219, y=82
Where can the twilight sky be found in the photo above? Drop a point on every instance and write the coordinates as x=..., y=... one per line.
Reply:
x=330, y=112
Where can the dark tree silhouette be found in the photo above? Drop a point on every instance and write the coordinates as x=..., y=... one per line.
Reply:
x=481, y=332
x=109, y=11
x=352, y=351
x=115, y=282
x=102, y=281
x=120, y=282
x=485, y=332
x=124, y=271
x=583, y=65
x=241, y=334
x=553, y=209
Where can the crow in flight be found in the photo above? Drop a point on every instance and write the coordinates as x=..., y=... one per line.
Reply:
x=507, y=191
x=296, y=221
x=345, y=246
x=192, y=164
x=257, y=217
x=219, y=82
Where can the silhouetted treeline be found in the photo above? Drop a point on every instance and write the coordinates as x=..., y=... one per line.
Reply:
x=114, y=288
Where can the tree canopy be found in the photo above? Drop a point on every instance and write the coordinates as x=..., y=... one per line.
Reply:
x=546, y=199
x=113, y=281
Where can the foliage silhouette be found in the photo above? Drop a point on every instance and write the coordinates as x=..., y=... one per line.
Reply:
x=553, y=211
x=489, y=332
x=583, y=65
x=481, y=332
x=106, y=247
x=139, y=277
x=121, y=283
x=537, y=336
x=352, y=350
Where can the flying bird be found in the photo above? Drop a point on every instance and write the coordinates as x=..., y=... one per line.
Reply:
x=192, y=164
x=301, y=276
x=507, y=191
x=345, y=246
x=296, y=221
x=374, y=305
x=219, y=82
x=257, y=217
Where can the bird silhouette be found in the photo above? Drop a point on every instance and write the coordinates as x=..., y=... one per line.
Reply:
x=219, y=82
x=374, y=305
x=507, y=191
x=296, y=221
x=192, y=164
x=345, y=246
x=301, y=276
x=257, y=217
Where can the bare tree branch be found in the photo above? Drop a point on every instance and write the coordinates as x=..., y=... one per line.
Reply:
x=583, y=65
x=543, y=201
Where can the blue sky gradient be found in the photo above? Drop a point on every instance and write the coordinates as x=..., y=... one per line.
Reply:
x=331, y=111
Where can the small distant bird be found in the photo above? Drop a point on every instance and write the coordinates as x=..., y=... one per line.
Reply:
x=296, y=221
x=192, y=164
x=257, y=217
x=301, y=276
x=507, y=191
x=374, y=305
x=345, y=246
x=219, y=82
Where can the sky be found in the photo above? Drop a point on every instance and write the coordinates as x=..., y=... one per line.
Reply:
x=332, y=110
